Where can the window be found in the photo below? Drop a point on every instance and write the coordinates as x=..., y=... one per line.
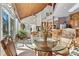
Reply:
x=5, y=19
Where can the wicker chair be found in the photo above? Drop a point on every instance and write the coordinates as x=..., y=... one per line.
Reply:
x=67, y=36
x=10, y=50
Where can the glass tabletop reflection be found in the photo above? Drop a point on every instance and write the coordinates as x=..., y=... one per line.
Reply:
x=46, y=47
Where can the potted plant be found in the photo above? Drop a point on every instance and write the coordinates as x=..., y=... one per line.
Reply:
x=22, y=34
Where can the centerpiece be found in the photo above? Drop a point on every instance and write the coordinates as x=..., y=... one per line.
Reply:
x=45, y=43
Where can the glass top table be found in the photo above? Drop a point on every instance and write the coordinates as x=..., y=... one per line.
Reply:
x=58, y=47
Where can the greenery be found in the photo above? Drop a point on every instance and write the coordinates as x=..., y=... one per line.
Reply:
x=22, y=34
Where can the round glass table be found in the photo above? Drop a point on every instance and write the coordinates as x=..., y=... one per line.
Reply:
x=45, y=49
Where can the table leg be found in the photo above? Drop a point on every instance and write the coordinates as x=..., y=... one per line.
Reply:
x=41, y=53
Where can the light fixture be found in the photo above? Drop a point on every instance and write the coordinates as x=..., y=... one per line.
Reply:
x=76, y=6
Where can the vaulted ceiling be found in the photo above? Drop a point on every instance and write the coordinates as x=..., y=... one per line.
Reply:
x=61, y=9
x=28, y=9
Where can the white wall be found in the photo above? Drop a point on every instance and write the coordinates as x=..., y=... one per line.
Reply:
x=0, y=28
x=0, y=22
x=17, y=27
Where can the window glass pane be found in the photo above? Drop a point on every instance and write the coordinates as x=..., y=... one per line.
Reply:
x=5, y=23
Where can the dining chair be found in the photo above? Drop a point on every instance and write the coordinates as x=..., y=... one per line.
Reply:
x=8, y=46
x=76, y=42
x=56, y=33
x=10, y=49
x=67, y=36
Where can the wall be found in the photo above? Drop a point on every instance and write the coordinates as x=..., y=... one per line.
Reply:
x=0, y=29
x=0, y=24
x=60, y=20
x=74, y=19
x=63, y=19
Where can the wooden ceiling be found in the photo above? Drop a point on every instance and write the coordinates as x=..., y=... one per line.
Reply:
x=28, y=9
